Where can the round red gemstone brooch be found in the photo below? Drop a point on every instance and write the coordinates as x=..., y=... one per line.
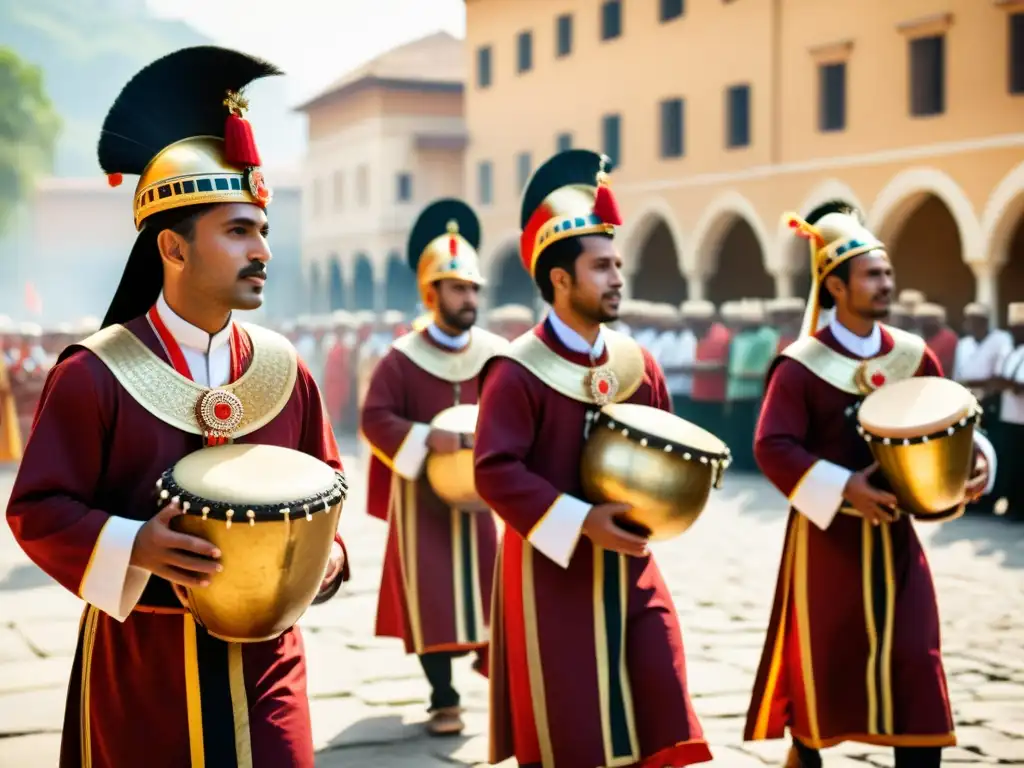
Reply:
x=219, y=412
x=603, y=385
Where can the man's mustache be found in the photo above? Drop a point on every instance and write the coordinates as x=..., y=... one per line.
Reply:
x=256, y=269
x=613, y=295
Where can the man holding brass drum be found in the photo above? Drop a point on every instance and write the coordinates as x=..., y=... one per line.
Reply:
x=171, y=374
x=852, y=652
x=587, y=660
x=435, y=592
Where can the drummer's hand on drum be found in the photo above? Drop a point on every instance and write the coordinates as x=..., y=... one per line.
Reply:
x=600, y=527
x=976, y=486
x=870, y=501
x=177, y=557
x=442, y=441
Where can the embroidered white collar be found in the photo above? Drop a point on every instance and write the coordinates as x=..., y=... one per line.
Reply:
x=188, y=335
x=573, y=341
x=861, y=346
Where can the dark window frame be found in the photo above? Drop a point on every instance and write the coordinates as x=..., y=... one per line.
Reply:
x=611, y=16
x=485, y=182
x=672, y=127
x=403, y=195
x=524, y=52
x=926, y=76
x=564, y=28
x=610, y=136
x=738, y=133
x=563, y=141
x=1015, y=52
x=832, y=77
x=670, y=10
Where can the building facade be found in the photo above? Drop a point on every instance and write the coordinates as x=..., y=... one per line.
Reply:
x=721, y=115
x=384, y=140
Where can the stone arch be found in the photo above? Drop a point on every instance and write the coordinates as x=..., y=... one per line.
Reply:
x=653, y=255
x=400, y=291
x=336, y=283
x=1002, y=226
x=730, y=247
x=927, y=242
x=508, y=282
x=362, y=283
x=794, y=252
x=904, y=195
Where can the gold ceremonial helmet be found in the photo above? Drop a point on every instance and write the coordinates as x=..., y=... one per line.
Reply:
x=179, y=125
x=443, y=246
x=836, y=235
x=568, y=196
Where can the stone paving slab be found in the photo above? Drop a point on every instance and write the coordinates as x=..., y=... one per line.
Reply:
x=368, y=698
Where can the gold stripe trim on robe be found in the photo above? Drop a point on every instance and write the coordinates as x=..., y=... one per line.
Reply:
x=482, y=630
x=627, y=688
x=91, y=616
x=803, y=626
x=853, y=375
x=402, y=511
x=458, y=583
x=264, y=389
x=452, y=366
x=625, y=361
x=193, y=700
x=887, y=635
x=538, y=696
x=239, y=706
x=871, y=668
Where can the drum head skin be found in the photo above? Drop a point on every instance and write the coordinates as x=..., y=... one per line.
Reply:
x=460, y=419
x=914, y=407
x=253, y=474
x=657, y=423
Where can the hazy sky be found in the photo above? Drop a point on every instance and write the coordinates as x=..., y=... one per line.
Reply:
x=316, y=41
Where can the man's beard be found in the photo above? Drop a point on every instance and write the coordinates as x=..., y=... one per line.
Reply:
x=462, y=320
x=594, y=313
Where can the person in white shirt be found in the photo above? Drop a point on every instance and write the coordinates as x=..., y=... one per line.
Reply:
x=1009, y=382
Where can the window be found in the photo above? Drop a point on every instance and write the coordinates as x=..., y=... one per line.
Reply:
x=928, y=76
x=737, y=116
x=363, y=184
x=671, y=9
x=339, y=190
x=524, y=49
x=483, y=67
x=403, y=188
x=832, y=97
x=1015, y=52
x=672, y=115
x=484, y=174
x=611, y=129
x=524, y=166
x=563, y=141
x=563, y=35
x=611, y=19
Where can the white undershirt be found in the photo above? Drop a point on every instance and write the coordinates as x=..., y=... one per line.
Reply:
x=446, y=341
x=573, y=341
x=208, y=356
x=861, y=346
x=1012, y=405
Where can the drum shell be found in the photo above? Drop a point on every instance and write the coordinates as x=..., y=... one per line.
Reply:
x=272, y=571
x=667, y=493
x=927, y=478
x=451, y=475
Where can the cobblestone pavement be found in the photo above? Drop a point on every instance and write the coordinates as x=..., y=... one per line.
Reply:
x=369, y=699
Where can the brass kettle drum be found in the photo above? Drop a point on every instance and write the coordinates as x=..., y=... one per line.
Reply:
x=273, y=513
x=663, y=466
x=451, y=474
x=921, y=433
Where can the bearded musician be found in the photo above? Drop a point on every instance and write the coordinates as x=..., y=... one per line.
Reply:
x=149, y=686
x=852, y=652
x=439, y=564
x=588, y=668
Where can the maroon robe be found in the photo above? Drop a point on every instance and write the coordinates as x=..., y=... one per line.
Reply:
x=852, y=651
x=943, y=345
x=587, y=661
x=95, y=454
x=435, y=591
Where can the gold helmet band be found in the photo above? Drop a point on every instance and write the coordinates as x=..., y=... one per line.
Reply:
x=443, y=246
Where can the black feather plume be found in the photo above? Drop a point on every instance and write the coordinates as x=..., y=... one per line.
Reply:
x=573, y=166
x=832, y=206
x=174, y=98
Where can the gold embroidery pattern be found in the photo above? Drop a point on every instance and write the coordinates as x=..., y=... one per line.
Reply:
x=454, y=366
x=625, y=364
x=264, y=388
x=860, y=377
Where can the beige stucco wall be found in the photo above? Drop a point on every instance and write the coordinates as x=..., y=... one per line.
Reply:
x=887, y=161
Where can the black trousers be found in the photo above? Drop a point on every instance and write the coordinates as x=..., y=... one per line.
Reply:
x=739, y=435
x=438, y=669
x=708, y=415
x=1010, y=468
x=906, y=757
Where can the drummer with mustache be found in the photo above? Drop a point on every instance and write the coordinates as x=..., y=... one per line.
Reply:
x=835, y=666
x=435, y=592
x=149, y=686
x=587, y=660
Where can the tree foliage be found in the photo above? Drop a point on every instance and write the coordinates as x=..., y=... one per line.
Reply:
x=29, y=126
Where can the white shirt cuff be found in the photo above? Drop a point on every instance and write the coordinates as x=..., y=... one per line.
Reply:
x=408, y=462
x=989, y=452
x=111, y=583
x=819, y=494
x=555, y=535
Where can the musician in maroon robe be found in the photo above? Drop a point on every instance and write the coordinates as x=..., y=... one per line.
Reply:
x=587, y=662
x=940, y=338
x=435, y=592
x=852, y=652
x=149, y=687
